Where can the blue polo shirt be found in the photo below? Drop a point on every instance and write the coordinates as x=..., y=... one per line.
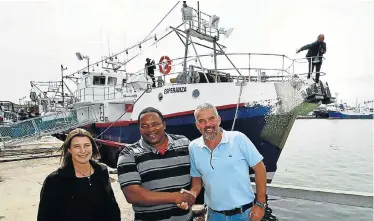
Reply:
x=225, y=170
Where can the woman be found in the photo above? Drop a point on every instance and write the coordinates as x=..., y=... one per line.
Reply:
x=80, y=189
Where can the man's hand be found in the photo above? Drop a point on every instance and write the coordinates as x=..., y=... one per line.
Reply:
x=184, y=199
x=297, y=51
x=256, y=213
x=185, y=205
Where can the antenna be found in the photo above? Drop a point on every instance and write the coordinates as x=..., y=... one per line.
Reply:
x=187, y=12
x=207, y=27
x=214, y=20
x=228, y=32
x=108, y=46
x=79, y=56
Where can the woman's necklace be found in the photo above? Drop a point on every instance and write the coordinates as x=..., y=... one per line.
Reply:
x=88, y=177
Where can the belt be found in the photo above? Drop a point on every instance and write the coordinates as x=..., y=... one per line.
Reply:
x=236, y=210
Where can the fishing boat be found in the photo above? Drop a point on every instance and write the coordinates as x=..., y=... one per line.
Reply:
x=341, y=111
x=259, y=101
x=258, y=94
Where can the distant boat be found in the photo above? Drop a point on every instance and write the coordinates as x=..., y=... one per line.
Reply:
x=343, y=111
x=351, y=115
x=321, y=112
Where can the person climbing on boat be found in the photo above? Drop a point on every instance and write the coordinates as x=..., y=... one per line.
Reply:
x=221, y=159
x=150, y=67
x=315, y=53
x=80, y=189
x=153, y=171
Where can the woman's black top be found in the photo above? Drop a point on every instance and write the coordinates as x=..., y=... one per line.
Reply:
x=67, y=197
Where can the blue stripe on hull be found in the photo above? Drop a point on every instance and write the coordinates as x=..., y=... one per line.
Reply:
x=130, y=134
x=250, y=121
x=226, y=114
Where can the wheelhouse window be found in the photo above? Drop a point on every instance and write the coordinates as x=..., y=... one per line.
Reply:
x=99, y=80
x=112, y=81
x=123, y=82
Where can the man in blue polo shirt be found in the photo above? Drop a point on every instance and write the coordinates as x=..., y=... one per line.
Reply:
x=220, y=160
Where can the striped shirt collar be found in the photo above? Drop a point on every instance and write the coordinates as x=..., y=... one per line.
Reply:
x=145, y=145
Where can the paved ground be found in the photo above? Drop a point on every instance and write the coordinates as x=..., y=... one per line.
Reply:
x=21, y=182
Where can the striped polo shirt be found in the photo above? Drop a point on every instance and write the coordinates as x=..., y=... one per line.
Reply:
x=141, y=164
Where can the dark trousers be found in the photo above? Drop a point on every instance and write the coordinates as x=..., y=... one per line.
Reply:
x=311, y=68
x=153, y=79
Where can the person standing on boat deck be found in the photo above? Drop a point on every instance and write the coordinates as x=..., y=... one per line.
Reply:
x=150, y=67
x=221, y=159
x=80, y=189
x=315, y=53
x=153, y=171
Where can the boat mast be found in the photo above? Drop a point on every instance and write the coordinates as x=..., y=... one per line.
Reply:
x=215, y=59
x=206, y=30
x=187, y=16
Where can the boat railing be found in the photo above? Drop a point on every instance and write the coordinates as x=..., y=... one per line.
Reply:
x=253, y=66
x=97, y=93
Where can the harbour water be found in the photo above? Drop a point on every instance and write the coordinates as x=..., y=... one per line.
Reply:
x=326, y=154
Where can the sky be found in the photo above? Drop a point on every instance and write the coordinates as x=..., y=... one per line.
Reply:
x=36, y=37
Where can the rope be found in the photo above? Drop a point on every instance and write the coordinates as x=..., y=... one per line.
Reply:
x=130, y=48
x=122, y=114
x=237, y=106
x=161, y=20
x=114, y=55
x=150, y=46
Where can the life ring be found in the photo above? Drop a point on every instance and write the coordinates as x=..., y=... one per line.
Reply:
x=165, y=67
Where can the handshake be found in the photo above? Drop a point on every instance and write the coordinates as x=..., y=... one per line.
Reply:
x=185, y=199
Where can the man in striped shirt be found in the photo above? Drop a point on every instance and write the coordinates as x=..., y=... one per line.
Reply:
x=153, y=171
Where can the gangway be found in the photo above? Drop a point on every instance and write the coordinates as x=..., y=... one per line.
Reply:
x=50, y=123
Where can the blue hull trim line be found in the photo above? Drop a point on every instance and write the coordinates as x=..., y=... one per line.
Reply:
x=250, y=121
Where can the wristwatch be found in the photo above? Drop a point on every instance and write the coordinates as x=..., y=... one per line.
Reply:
x=262, y=205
